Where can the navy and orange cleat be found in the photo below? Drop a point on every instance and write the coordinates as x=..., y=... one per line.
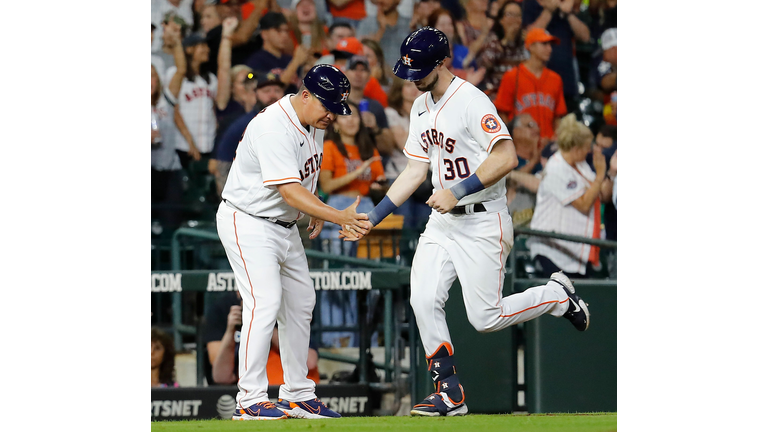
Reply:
x=434, y=405
x=260, y=411
x=577, y=313
x=309, y=409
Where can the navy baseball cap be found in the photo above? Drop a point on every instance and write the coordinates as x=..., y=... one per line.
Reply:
x=330, y=85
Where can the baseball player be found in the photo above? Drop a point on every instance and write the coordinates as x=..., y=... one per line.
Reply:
x=456, y=130
x=272, y=184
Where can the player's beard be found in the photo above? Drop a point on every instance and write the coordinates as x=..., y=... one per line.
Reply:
x=430, y=86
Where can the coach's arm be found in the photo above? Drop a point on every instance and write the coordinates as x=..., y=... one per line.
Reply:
x=296, y=196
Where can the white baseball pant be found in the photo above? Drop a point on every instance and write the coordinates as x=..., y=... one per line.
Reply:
x=473, y=248
x=273, y=279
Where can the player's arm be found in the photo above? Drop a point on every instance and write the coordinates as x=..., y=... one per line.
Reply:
x=404, y=186
x=304, y=201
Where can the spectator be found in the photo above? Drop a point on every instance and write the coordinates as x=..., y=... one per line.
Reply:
x=475, y=27
x=307, y=28
x=523, y=181
x=504, y=48
x=379, y=69
x=344, y=50
x=242, y=41
x=358, y=72
x=163, y=359
x=401, y=96
x=349, y=12
x=603, y=16
x=259, y=93
x=166, y=168
x=388, y=28
x=174, y=29
x=163, y=9
x=532, y=88
x=608, y=195
x=223, y=320
x=351, y=167
x=422, y=9
x=271, y=58
x=193, y=95
x=557, y=17
x=336, y=33
x=607, y=68
x=231, y=93
x=567, y=202
x=209, y=18
x=442, y=20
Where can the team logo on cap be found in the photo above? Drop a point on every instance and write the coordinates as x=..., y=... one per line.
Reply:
x=407, y=60
x=490, y=124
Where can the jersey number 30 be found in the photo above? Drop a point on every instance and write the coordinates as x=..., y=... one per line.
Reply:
x=461, y=168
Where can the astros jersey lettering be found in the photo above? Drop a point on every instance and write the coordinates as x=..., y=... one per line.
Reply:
x=455, y=135
x=274, y=150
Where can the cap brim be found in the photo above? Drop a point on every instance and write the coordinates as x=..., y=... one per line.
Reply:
x=341, y=108
x=409, y=74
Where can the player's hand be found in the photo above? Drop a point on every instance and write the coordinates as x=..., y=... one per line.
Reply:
x=354, y=224
x=235, y=316
x=598, y=159
x=443, y=201
x=315, y=225
x=228, y=26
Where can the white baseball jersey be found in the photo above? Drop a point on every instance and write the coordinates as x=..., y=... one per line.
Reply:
x=268, y=259
x=455, y=135
x=275, y=150
x=561, y=184
x=196, y=102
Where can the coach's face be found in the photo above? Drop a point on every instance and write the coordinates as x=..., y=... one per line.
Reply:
x=315, y=113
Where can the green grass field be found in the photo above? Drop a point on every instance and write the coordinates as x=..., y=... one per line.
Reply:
x=588, y=422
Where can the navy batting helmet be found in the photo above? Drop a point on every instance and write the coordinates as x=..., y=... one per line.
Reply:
x=330, y=85
x=420, y=53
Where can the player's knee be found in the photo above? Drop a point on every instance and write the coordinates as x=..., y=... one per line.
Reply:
x=484, y=323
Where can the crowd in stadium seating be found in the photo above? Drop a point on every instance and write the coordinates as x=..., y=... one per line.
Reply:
x=217, y=63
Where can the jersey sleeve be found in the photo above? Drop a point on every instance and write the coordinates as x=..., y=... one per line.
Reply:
x=484, y=123
x=415, y=148
x=277, y=156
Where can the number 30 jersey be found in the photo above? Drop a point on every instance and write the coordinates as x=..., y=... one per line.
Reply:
x=455, y=135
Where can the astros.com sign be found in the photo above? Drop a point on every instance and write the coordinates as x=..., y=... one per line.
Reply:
x=225, y=281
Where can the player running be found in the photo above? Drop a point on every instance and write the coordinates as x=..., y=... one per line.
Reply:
x=456, y=130
x=273, y=182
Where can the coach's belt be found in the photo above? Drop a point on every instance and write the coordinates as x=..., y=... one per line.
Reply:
x=468, y=209
x=271, y=219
